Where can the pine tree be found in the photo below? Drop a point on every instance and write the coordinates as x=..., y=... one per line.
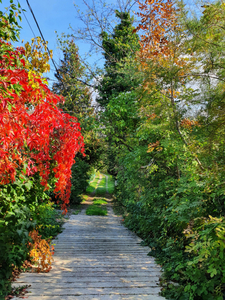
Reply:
x=119, y=52
x=70, y=85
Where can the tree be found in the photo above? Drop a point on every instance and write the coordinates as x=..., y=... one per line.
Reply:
x=206, y=44
x=118, y=78
x=119, y=51
x=48, y=134
x=70, y=84
x=172, y=200
x=99, y=17
x=120, y=120
x=78, y=97
x=38, y=143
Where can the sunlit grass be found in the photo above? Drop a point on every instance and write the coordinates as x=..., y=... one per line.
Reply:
x=92, y=176
x=101, y=189
x=84, y=198
x=91, y=188
x=99, y=201
x=96, y=210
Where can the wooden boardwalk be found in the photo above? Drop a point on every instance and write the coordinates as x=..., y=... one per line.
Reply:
x=96, y=258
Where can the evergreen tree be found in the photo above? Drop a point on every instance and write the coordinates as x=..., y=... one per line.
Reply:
x=119, y=52
x=70, y=84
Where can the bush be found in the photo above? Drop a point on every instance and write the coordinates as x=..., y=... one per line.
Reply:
x=48, y=221
x=171, y=214
x=81, y=173
x=27, y=211
x=111, y=184
x=17, y=218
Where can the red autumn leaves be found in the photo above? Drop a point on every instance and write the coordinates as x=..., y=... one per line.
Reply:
x=35, y=135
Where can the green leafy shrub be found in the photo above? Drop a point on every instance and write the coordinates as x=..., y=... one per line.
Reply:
x=206, y=267
x=111, y=184
x=171, y=214
x=28, y=210
x=49, y=221
x=80, y=179
x=18, y=202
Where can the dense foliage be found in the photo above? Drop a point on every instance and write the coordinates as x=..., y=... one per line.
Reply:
x=38, y=143
x=71, y=83
x=165, y=138
x=161, y=128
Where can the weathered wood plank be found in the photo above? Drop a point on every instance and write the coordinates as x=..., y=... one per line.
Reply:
x=96, y=258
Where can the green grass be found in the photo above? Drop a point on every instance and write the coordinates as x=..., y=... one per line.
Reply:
x=92, y=177
x=96, y=210
x=91, y=188
x=84, y=198
x=111, y=184
x=101, y=190
x=76, y=212
x=99, y=201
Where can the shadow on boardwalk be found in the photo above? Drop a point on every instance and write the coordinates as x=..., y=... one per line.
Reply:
x=96, y=257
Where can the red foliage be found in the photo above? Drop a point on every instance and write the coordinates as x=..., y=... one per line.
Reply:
x=34, y=132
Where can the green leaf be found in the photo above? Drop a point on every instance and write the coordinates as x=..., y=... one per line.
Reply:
x=19, y=231
x=212, y=272
x=29, y=184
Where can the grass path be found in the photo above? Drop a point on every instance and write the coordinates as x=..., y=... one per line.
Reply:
x=96, y=202
x=99, y=180
x=94, y=183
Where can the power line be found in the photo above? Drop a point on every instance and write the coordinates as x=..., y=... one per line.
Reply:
x=81, y=81
x=59, y=76
x=27, y=20
x=45, y=42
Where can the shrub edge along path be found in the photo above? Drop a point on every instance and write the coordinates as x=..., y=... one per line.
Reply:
x=96, y=257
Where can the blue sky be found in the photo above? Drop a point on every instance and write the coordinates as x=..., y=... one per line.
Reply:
x=55, y=15
x=52, y=15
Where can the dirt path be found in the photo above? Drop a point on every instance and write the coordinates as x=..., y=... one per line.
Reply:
x=96, y=258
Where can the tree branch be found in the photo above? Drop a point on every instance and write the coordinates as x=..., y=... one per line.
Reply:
x=151, y=162
x=178, y=127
